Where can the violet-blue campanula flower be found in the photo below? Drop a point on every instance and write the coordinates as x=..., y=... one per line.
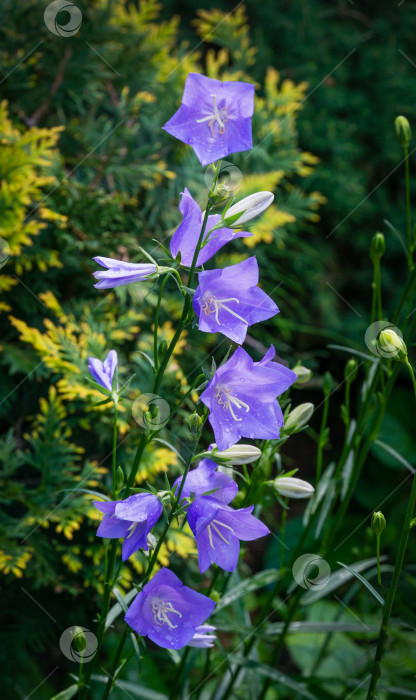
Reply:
x=241, y=398
x=119, y=272
x=206, y=478
x=214, y=117
x=186, y=236
x=103, y=372
x=218, y=529
x=131, y=519
x=168, y=612
x=228, y=301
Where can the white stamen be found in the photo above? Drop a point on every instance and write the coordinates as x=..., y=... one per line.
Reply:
x=209, y=301
x=219, y=116
x=160, y=610
x=230, y=400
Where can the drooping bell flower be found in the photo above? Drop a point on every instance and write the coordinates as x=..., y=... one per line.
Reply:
x=186, y=236
x=131, y=519
x=206, y=478
x=168, y=612
x=218, y=529
x=119, y=273
x=103, y=372
x=214, y=117
x=241, y=397
x=228, y=301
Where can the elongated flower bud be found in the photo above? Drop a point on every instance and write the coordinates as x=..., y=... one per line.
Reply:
x=392, y=343
x=238, y=454
x=378, y=246
x=351, y=370
x=298, y=418
x=303, y=373
x=378, y=522
x=293, y=488
x=194, y=424
x=247, y=209
x=79, y=639
x=403, y=130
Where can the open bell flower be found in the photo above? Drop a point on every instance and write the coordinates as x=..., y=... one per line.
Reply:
x=242, y=398
x=218, y=529
x=186, y=236
x=131, y=519
x=119, y=273
x=228, y=300
x=249, y=208
x=168, y=612
x=214, y=117
x=103, y=372
x=206, y=478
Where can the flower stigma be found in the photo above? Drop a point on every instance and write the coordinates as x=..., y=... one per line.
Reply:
x=212, y=305
x=161, y=610
x=226, y=399
x=220, y=116
x=219, y=533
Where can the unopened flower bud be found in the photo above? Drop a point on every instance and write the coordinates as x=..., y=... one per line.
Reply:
x=303, y=373
x=393, y=344
x=239, y=454
x=194, y=423
x=119, y=478
x=378, y=522
x=247, y=209
x=79, y=639
x=293, y=488
x=298, y=418
x=327, y=383
x=403, y=130
x=378, y=246
x=151, y=541
x=351, y=370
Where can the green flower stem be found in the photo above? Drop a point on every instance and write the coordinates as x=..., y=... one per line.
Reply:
x=156, y=328
x=376, y=306
x=412, y=374
x=322, y=438
x=376, y=670
x=378, y=538
x=114, y=455
x=410, y=243
x=115, y=664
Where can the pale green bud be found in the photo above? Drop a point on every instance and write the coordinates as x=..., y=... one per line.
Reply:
x=351, y=370
x=248, y=208
x=303, y=374
x=378, y=522
x=194, y=423
x=238, y=454
x=403, y=130
x=327, y=383
x=79, y=639
x=292, y=487
x=393, y=344
x=298, y=418
x=378, y=246
x=119, y=478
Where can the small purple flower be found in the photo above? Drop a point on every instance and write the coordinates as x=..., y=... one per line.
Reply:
x=186, y=236
x=119, y=273
x=168, y=612
x=203, y=639
x=103, y=372
x=206, y=478
x=131, y=519
x=214, y=117
x=241, y=398
x=228, y=301
x=218, y=529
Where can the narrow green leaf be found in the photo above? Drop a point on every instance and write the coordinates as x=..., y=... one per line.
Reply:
x=276, y=676
x=394, y=453
x=263, y=578
x=66, y=694
x=338, y=578
x=101, y=496
x=115, y=611
x=137, y=690
x=364, y=581
x=171, y=447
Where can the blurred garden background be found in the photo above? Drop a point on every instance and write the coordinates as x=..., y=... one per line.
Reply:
x=86, y=170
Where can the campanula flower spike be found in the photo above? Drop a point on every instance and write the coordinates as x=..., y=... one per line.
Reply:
x=119, y=273
x=214, y=117
x=168, y=612
x=131, y=519
x=241, y=398
x=218, y=529
x=228, y=301
x=185, y=238
x=206, y=478
x=103, y=372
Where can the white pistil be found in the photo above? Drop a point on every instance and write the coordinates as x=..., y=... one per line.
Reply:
x=230, y=400
x=160, y=610
x=219, y=533
x=132, y=529
x=209, y=301
x=210, y=537
x=219, y=116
